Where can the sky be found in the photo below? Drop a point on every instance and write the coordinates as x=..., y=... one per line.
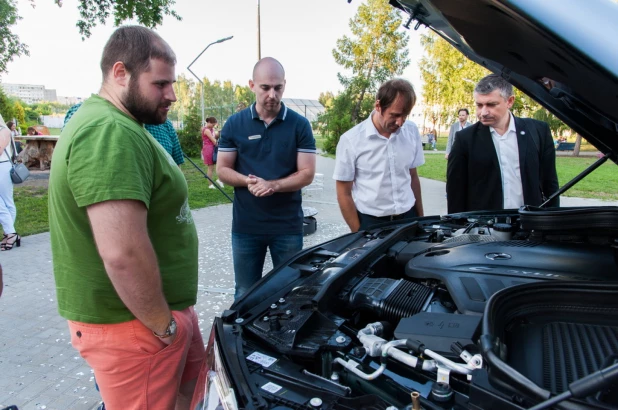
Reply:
x=301, y=34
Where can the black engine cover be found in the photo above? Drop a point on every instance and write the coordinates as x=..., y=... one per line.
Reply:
x=473, y=272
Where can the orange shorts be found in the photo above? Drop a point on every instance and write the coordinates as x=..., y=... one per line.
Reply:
x=133, y=368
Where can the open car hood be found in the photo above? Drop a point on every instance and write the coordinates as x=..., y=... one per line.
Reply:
x=562, y=53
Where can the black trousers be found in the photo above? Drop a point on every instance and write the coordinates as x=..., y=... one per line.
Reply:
x=367, y=221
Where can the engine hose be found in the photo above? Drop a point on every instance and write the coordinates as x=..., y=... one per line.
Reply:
x=351, y=365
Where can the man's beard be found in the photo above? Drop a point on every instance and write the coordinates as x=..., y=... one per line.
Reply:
x=143, y=110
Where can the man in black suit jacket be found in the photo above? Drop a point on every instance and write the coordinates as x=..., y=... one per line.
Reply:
x=502, y=161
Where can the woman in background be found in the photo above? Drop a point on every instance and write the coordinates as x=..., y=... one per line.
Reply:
x=8, y=212
x=209, y=141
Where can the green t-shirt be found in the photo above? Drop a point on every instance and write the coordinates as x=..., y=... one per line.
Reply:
x=101, y=155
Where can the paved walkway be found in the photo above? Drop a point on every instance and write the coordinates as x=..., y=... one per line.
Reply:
x=38, y=367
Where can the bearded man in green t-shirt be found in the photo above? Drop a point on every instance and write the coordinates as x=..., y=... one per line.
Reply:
x=123, y=239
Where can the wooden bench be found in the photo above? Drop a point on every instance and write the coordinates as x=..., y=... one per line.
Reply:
x=565, y=146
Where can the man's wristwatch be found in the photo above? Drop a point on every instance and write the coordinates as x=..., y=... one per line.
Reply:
x=169, y=332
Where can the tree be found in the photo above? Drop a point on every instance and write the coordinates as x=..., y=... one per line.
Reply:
x=337, y=118
x=375, y=52
x=448, y=79
x=556, y=126
x=10, y=46
x=190, y=137
x=185, y=97
x=148, y=13
x=6, y=106
x=20, y=114
x=243, y=96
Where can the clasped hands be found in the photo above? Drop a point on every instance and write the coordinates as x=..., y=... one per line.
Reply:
x=259, y=187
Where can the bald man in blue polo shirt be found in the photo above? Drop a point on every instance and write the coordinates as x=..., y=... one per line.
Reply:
x=267, y=153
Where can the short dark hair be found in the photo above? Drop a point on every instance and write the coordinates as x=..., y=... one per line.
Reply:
x=388, y=92
x=494, y=82
x=135, y=46
x=463, y=109
x=211, y=120
x=10, y=124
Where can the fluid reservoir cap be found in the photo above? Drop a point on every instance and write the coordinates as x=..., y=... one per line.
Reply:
x=316, y=402
x=441, y=392
x=503, y=227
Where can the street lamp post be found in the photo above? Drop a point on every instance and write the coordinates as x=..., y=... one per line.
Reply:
x=259, y=34
x=198, y=79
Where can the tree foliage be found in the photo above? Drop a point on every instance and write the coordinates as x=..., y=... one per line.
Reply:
x=190, y=137
x=10, y=46
x=6, y=106
x=448, y=80
x=19, y=113
x=220, y=100
x=337, y=117
x=148, y=13
x=375, y=52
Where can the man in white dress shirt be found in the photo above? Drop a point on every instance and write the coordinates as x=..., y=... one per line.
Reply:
x=502, y=161
x=376, y=162
x=460, y=124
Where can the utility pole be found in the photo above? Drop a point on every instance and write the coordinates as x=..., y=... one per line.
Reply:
x=259, y=41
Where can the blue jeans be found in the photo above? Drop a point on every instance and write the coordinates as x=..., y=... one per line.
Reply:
x=249, y=252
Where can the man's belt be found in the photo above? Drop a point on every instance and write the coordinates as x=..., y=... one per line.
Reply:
x=390, y=217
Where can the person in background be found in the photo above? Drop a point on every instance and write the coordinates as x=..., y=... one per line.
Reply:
x=165, y=134
x=209, y=141
x=33, y=131
x=8, y=211
x=375, y=166
x=15, y=132
x=432, y=139
x=460, y=124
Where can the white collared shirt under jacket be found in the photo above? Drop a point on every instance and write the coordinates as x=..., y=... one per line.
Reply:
x=507, y=150
x=380, y=167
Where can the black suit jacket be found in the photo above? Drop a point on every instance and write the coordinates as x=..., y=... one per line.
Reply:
x=474, y=180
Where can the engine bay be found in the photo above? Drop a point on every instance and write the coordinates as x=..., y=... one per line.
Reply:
x=393, y=317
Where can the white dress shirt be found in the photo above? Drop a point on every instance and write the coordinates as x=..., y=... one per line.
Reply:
x=380, y=167
x=507, y=150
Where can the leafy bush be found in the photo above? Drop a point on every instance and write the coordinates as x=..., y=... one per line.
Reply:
x=190, y=142
x=337, y=118
x=190, y=137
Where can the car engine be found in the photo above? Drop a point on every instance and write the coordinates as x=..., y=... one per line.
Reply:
x=393, y=317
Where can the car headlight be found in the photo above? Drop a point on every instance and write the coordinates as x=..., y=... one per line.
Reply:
x=213, y=391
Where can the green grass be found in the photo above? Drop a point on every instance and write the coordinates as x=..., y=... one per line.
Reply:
x=601, y=184
x=200, y=195
x=319, y=143
x=31, y=202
